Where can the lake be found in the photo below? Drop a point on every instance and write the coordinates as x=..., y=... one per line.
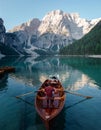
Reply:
x=78, y=74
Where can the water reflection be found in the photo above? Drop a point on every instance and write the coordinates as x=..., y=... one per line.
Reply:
x=59, y=122
x=74, y=72
x=91, y=67
x=3, y=82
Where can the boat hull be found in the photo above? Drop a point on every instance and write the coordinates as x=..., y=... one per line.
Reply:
x=49, y=111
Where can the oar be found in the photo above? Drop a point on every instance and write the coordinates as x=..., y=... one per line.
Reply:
x=25, y=94
x=25, y=101
x=75, y=104
x=88, y=97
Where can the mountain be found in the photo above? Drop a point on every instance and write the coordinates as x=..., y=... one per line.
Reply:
x=5, y=48
x=56, y=30
x=88, y=45
x=18, y=39
x=2, y=31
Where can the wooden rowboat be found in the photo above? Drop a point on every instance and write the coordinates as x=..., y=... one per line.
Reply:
x=50, y=111
x=7, y=69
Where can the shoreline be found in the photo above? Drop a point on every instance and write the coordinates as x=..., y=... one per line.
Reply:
x=95, y=56
x=91, y=56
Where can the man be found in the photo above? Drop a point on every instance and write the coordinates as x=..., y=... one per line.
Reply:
x=49, y=91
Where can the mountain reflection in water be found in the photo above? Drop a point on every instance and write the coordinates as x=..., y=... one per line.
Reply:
x=72, y=71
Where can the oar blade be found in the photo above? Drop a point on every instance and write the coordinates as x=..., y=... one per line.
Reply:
x=89, y=97
x=17, y=97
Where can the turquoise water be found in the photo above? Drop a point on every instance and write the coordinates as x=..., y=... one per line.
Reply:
x=79, y=74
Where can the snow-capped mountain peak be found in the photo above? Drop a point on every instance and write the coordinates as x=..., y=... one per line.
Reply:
x=56, y=30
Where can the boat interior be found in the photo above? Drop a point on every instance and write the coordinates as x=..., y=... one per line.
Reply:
x=54, y=102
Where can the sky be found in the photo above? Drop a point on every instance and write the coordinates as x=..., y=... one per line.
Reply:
x=16, y=12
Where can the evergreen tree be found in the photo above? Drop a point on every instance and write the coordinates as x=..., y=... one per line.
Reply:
x=89, y=44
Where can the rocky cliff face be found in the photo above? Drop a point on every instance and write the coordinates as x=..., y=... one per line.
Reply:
x=26, y=30
x=2, y=31
x=56, y=30
x=60, y=23
x=27, y=35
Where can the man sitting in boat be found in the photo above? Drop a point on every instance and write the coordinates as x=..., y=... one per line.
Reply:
x=49, y=91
